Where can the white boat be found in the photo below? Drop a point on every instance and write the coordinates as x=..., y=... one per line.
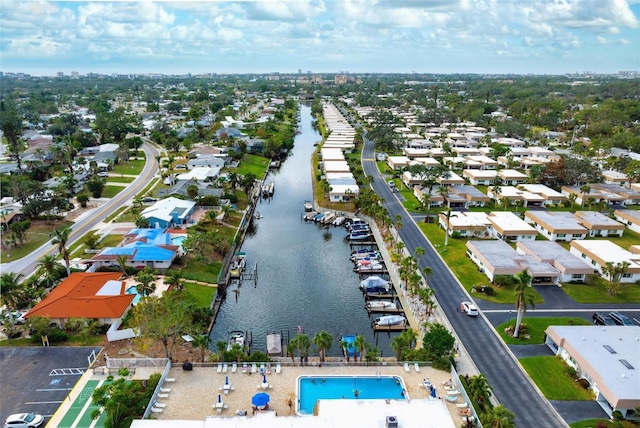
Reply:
x=236, y=338
x=328, y=217
x=371, y=266
x=381, y=305
x=375, y=284
x=369, y=255
x=338, y=221
x=237, y=265
x=310, y=215
x=308, y=206
x=390, y=320
x=359, y=235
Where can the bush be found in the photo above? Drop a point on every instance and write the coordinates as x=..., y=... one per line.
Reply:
x=489, y=291
x=502, y=280
x=571, y=372
x=617, y=415
x=584, y=383
x=456, y=235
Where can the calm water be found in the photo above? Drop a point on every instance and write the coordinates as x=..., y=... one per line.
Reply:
x=311, y=389
x=305, y=277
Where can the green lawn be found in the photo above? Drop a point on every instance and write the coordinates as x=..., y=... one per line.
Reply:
x=126, y=216
x=77, y=249
x=252, y=163
x=535, y=328
x=201, y=270
x=549, y=374
x=592, y=423
x=116, y=179
x=201, y=293
x=596, y=292
x=111, y=191
x=36, y=235
x=114, y=214
x=132, y=167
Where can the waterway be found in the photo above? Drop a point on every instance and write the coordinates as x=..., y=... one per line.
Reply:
x=305, y=277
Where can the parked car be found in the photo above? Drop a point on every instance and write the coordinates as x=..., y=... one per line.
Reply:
x=600, y=318
x=621, y=319
x=103, y=174
x=24, y=420
x=469, y=309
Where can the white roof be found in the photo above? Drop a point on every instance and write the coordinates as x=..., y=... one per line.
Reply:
x=199, y=173
x=541, y=189
x=163, y=208
x=460, y=219
x=608, y=251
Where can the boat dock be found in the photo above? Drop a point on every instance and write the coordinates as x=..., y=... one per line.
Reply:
x=384, y=311
x=390, y=328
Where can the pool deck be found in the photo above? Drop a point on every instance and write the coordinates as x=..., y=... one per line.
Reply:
x=193, y=393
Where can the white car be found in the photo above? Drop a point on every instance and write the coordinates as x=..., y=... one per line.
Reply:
x=24, y=420
x=469, y=309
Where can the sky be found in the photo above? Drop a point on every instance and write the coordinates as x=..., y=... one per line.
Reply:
x=320, y=36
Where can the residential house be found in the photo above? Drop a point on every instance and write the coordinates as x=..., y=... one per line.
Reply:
x=398, y=162
x=428, y=162
x=594, y=195
x=627, y=196
x=466, y=224
x=515, y=196
x=607, y=357
x=472, y=197
x=615, y=177
x=413, y=153
x=550, y=197
x=556, y=226
x=495, y=258
x=507, y=226
x=452, y=179
x=599, y=252
x=511, y=177
x=10, y=213
x=571, y=268
x=336, y=166
x=599, y=224
x=480, y=176
x=228, y=132
x=435, y=199
x=481, y=162
x=540, y=152
x=100, y=295
x=206, y=161
x=140, y=254
x=629, y=217
x=168, y=212
x=331, y=154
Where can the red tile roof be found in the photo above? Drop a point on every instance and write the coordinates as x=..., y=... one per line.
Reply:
x=76, y=297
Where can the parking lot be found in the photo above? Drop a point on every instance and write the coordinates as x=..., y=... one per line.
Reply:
x=38, y=379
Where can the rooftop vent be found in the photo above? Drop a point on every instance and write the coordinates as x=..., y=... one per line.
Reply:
x=392, y=422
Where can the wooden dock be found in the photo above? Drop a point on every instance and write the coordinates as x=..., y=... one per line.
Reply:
x=370, y=296
x=390, y=328
x=383, y=311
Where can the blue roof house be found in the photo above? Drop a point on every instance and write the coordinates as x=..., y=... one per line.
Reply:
x=139, y=254
x=169, y=212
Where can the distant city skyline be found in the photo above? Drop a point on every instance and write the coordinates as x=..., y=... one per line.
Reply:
x=320, y=36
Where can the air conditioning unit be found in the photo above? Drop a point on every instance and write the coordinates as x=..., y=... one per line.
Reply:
x=392, y=422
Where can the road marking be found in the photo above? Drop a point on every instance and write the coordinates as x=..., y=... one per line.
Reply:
x=53, y=389
x=504, y=311
x=66, y=372
x=44, y=402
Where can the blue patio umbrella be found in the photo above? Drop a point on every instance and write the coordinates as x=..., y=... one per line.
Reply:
x=433, y=392
x=219, y=398
x=226, y=380
x=260, y=399
x=264, y=378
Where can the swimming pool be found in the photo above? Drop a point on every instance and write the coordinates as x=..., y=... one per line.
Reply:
x=314, y=388
x=134, y=290
x=177, y=240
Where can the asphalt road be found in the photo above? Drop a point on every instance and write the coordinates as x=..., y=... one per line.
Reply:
x=26, y=265
x=511, y=385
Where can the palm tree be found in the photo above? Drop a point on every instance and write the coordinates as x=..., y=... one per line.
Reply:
x=221, y=346
x=498, y=417
x=50, y=270
x=146, y=281
x=426, y=271
x=121, y=259
x=12, y=291
x=572, y=198
x=323, y=341
x=427, y=295
x=360, y=345
x=173, y=278
x=524, y=297
x=60, y=238
x=398, y=344
x=410, y=337
x=201, y=342
x=479, y=390
x=345, y=346
x=446, y=232
x=584, y=189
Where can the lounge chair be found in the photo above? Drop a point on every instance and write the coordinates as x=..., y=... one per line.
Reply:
x=170, y=379
x=462, y=405
x=416, y=367
x=406, y=367
x=254, y=368
x=163, y=395
x=225, y=367
x=234, y=367
x=165, y=389
x=219, y=368
x=154, y=410
x=451, y=398
x=244, y=368
x=261, y=368
x=159, y=405
x=278, y=368
x=226, y=391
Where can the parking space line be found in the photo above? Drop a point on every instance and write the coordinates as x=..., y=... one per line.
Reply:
x=44, y=402
x=53, y=389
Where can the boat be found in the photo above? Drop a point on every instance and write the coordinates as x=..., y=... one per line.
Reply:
x=390, y=320
x=274, y=344
x=274, y=164
x=308, y=206
x=359, y=235
x=355, y=223
x=374, y=284
x=369, y=255
x=236, y=338
x=268, y=189
x=309, y=216
x=318, y=217
x=348, y=347
x=238, y=264
x=257, y=215
x=381, y=305
x=338, y=221
x=328, y=217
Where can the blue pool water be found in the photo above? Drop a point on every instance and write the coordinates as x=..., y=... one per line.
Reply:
x=177, y=240
x=314, y=388
x=134, y=290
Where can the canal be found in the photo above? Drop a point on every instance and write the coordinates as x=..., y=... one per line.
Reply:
x=305, y=277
